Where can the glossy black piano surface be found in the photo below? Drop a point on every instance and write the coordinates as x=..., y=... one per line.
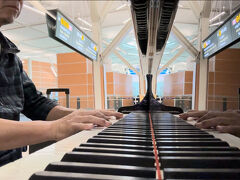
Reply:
x=125, y=151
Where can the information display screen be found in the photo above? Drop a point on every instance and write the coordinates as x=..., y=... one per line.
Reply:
x=224, y=36
x=235, y=22
x=76, y=39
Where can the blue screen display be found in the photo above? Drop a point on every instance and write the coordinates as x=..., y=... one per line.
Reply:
x=71, y=35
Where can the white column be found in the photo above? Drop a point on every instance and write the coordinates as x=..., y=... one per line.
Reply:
x=203, y=73
x=29, y=68
x=194, y=85
x=97, y=67
x=142, y=87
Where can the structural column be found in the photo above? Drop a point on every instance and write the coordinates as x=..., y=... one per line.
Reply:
x=97, y=65
x=29, y=68
x=203, y=63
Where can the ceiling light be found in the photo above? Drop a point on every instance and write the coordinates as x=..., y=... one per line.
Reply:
x=120, y=7
x=33, y=9
x=84, y=21
x=85, y=28
x=124, y=22
x=217, y=16
x=215, y=24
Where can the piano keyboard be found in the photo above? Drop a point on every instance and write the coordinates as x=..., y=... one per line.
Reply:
x=125, y=150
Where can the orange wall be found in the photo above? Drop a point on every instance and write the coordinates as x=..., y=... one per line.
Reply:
x=178, y=84
x=75, y=73
x=119, y=86
x=42, y=75
x=224, y=81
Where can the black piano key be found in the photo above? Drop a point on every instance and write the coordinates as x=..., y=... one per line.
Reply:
x=188, y=139
x=199, y=162
x=103, y=158
x=181, y=132
x=124, y=134
x=120, y=141
x=184, y=173
x=52, y=175
x=123, y=137
x=115, y=126
x=183, y=135
x=129, y=128
x=200, y=153
x=162, y=135
x=114, y=150
x=156, y=124
x=156, y=132
x=106, y=169
x=197, y=148
x=127, y=131
x=122, y=123
x=176, y=128
x=192, y=143
x=123, y=146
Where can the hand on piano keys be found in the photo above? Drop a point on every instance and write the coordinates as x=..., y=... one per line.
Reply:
x=125, y=151
x=81, y=120
x=224, y=122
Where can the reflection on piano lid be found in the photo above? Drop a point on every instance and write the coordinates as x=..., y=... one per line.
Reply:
x=124, y=151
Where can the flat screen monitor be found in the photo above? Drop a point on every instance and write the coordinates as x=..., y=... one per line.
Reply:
x=72, y=36
x=223, y=37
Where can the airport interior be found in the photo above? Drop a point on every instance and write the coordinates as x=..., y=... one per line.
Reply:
x=159, y=56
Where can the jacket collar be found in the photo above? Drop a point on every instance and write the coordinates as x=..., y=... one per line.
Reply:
x=7, y=46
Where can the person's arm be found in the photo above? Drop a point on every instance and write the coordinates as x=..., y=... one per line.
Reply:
x=14, y=134
x=59, y=112
x=36, y=106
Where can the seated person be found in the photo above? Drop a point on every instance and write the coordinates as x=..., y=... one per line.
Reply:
x=18, y=95
x=225, y=122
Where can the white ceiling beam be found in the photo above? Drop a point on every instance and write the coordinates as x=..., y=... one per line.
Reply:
x=157, y=60
x=125, y=62
x=40, y=7
x=185, y=43
x=195, y=7
x=171, y=60
x=181, y=50
x=116, y=52
x=116, y=40
x=207, y=6
x=106, y=7
x=94, y=11
x=180, y=46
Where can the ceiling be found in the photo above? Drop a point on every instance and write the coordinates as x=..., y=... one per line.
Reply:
x=31, y=36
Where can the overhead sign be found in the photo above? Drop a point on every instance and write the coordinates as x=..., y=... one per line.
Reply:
x=223, y=37
x=68, y=34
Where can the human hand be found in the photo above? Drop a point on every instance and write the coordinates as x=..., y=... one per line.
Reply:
x=74, y=123
x=193, y=113
x=225, y=122
x=106, y=114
